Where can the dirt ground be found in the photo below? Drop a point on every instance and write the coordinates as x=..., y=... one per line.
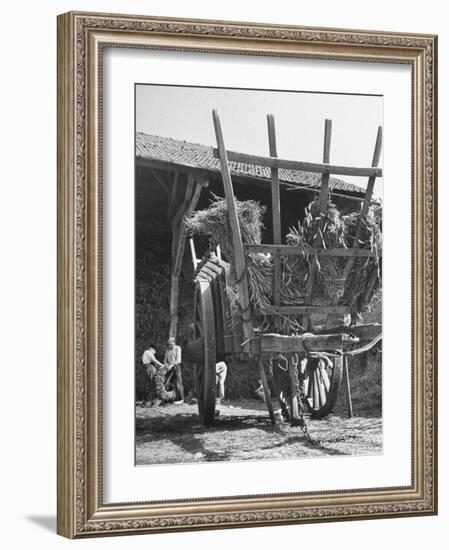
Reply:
x=242, y=431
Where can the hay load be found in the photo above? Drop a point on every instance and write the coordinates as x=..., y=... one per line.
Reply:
x=331, y=230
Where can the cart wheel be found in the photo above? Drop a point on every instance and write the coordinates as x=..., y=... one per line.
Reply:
x=205, y=370
x=322, y=379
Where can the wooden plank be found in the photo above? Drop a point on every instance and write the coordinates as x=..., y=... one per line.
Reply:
x=348, y=386
x=276, y=212
x=293, y=376
x=323, y=202
x=365, y=333
x=266, y=391
x=179, y=235
x=324, y=195
x=239, y=253
x=279, y=343
x=318, y=168
x=185, y=203
x=303, y=310
x=288, y=250
x=171, y=166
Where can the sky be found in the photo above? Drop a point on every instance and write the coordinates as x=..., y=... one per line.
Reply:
x=185, y=113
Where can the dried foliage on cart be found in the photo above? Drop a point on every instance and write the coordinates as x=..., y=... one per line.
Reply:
x=331, y=287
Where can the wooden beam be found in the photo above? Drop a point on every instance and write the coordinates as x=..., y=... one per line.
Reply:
x=171, y=166
x=324, y=195
x=279, y=343
x=185, y=203
x=182, y=233
x=323, y=204
x=293, y=376
x=179, y=235
x=320, y=168
x=365, y=333
x=348, y=386
x=288, y=250
x=210, y=173
x=302, y=310
x=276, y=210
x=266, y=390
x=239, y=253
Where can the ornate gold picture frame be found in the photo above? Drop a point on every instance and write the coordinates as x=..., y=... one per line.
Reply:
x=82, y=40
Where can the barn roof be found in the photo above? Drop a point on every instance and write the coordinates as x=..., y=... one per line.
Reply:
x=196, y=155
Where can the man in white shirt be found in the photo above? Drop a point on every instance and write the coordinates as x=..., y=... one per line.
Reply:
x=172, y=360
x=151, y=365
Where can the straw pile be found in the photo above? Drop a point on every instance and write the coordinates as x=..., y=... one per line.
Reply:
x=330, y=230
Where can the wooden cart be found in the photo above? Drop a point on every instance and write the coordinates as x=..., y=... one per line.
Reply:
x=315, y=360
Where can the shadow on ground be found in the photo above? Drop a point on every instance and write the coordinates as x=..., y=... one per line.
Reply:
x=173, y=434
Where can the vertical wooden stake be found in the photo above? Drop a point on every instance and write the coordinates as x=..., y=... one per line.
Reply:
x=293, y=390
x=179, y=235
x=276, y=209
x=266, y=390
x=239, y=252
x=323, y=199
x=348, y=386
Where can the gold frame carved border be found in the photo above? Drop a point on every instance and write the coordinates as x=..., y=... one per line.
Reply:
x=81, y=37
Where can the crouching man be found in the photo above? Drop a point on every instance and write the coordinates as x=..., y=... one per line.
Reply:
x=151, y=364
x=172, y=360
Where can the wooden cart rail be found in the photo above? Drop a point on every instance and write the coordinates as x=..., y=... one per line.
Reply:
x=317, y=168
x=289, y=250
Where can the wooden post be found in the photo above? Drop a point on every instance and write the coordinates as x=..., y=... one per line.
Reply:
x=276, y=209
x=277, y=387
x=323, y=200
x=263, y=379
x=293, y=389
x=179, y=235
x=348, y=386
x=239, y=253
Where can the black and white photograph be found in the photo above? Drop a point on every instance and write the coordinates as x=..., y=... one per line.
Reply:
x=258, y=274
